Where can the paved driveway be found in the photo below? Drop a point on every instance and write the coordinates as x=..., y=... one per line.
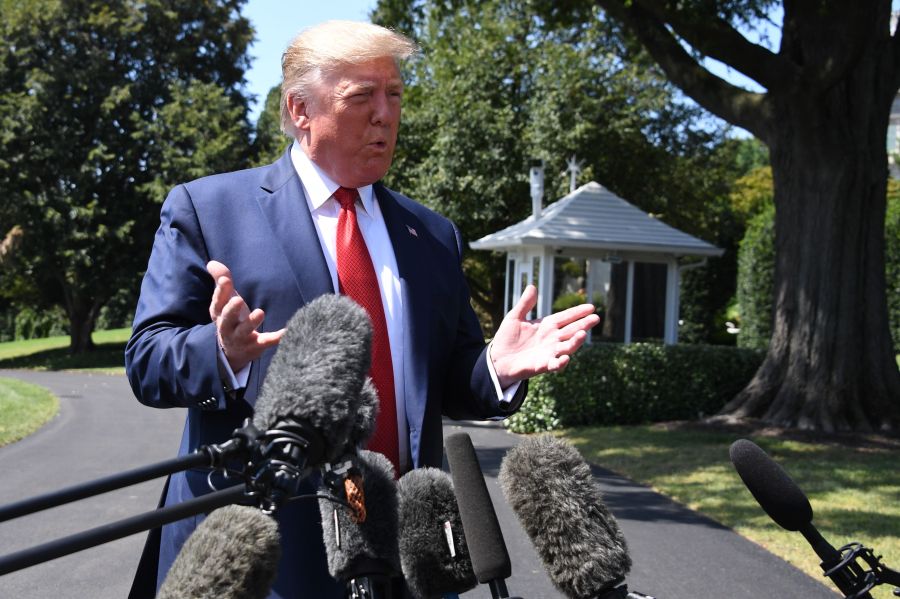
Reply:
x=102, y=430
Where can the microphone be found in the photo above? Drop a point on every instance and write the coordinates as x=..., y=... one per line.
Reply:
x=487, y=550
x=361, y=544
x=552, y=491
x=434, y=555
x=312, y=400
x=232, y=554
x=784, y=502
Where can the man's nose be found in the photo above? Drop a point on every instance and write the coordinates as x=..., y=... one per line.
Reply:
x=384, y=109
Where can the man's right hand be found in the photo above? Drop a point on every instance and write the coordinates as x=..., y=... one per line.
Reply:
x=235, y=324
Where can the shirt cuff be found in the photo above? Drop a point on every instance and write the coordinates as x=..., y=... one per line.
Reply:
x=230, y=379
x=505, y=396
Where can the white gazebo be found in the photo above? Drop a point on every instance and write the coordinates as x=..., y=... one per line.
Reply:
x=593, y=224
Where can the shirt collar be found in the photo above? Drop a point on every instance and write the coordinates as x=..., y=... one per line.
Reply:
x=319, y=186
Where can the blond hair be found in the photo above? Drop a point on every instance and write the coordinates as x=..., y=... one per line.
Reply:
x=320, y=50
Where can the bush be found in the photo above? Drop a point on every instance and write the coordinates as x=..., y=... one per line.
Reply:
x=756, y=281
x=610, y=383
x=38, y=324
x=892, y=263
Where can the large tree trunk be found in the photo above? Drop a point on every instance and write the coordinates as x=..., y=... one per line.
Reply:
x=824, y=114
x=830, y=365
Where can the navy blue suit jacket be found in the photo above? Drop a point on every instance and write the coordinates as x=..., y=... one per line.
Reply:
x=257, y=223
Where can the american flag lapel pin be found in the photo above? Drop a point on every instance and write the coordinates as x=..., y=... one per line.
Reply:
x=412, y=231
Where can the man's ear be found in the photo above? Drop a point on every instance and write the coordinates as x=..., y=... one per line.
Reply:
x=298, y=108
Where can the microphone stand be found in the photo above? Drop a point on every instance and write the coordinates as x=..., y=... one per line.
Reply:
x=213, y=456
x=123, y=528
x=272, y=465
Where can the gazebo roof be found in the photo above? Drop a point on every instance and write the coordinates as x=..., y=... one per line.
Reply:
x=592, y=217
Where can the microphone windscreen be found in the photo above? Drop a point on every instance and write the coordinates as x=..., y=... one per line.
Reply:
x=490, y=559
x=318, y=371
x=773, y=489
x=356, y=549
x=232, y=554
x=552, y=491
x=434, y=555
x=364, y=416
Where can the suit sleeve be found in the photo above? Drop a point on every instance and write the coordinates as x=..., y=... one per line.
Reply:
x=479, y=400
x=171, y=358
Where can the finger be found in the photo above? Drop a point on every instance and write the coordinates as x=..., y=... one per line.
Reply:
x=558, y=363
x=571, y=345
x=526, y=303
x=231, y=317
x=250, y=324
x=217, y=269
x=223, y=292
x=269, y=339
x=582, y=325
x=572, y=314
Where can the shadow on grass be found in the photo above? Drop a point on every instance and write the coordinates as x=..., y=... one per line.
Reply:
x=106, y=356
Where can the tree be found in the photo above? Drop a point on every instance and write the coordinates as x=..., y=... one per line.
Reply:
x=496, y=86
x=102, y=106
x=270, y=140
x=823, y=115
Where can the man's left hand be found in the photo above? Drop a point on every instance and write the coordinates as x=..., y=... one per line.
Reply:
x=525, y=348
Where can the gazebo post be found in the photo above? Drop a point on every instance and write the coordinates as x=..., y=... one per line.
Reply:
x=589, y=288
x=629, y=302
x=545, y=283
x=670, y=336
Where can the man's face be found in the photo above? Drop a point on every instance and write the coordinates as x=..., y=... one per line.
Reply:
x=349, y=129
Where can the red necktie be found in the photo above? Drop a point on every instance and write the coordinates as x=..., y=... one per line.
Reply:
x=357, y=280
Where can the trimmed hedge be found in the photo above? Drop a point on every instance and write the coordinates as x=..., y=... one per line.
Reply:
x=610, y=383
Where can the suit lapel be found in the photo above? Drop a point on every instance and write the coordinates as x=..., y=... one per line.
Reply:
x=284, y=205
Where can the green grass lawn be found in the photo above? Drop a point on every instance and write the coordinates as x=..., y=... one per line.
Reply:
x=854, y=491
x=52, y=353
x=24, y=408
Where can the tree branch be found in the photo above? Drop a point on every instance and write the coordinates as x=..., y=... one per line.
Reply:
x=749, y=110
x=715, y=38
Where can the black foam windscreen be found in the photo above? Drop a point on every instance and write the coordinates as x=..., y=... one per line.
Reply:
x=773, y=489
x=366, y=548
x=487, y=549
x=318, y=372
x=232, y=554
x=553, y=492
x=434, y=554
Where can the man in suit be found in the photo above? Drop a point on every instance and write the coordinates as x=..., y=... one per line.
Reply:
x=237, y=254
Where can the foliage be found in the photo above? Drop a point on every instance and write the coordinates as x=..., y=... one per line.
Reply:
x=24, y=408
x=570, y=300
x=102, y=106
x=36, y=324
x=270, y=140
x=892, y=260
x=753, y=192
x=756, y=273
x=498, y=84
x=608, y=383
